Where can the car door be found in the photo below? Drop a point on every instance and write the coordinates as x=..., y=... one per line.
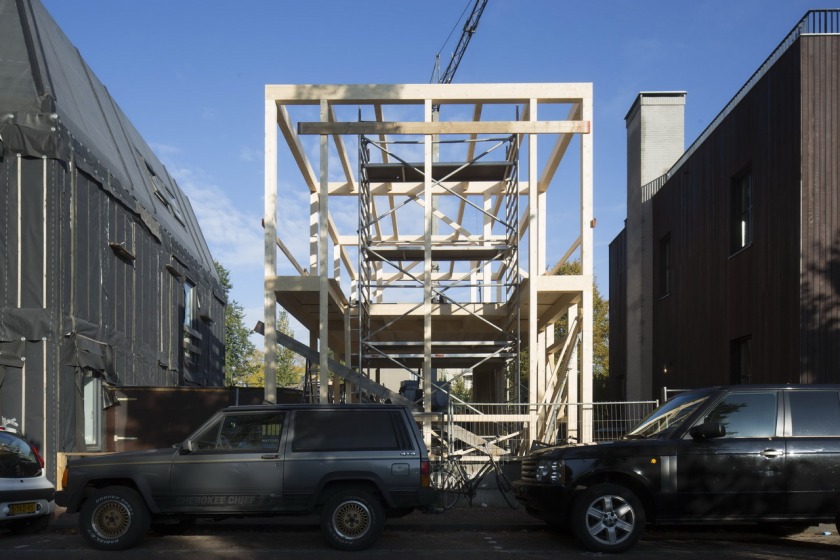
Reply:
x=740, y=475
x=813, y=452
x=235, y=466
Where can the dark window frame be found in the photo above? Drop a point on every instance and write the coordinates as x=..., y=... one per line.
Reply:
x=741, y=362
x=741, y=213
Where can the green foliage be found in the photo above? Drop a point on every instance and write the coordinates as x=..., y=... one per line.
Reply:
x=238, y=347
x=458, y=387
x=600, y=330
x=244, y=362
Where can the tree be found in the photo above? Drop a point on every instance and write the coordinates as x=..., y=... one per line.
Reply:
x=238, y=347
x=290, y=366
x=600, y=330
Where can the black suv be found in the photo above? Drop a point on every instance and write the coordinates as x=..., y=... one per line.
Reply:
x=747, y=454
x=355, y=464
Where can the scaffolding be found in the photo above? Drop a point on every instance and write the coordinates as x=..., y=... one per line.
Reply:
x=470, y=273
x=448, y=266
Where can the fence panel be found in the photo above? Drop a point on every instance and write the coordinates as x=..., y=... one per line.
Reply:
x=508, y=430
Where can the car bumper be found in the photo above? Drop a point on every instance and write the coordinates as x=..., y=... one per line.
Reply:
x=25, y=508
x=550, y=503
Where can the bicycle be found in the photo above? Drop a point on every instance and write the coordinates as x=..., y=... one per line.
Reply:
x=451, y=478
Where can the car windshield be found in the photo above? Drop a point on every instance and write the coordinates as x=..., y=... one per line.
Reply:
x=667, y=417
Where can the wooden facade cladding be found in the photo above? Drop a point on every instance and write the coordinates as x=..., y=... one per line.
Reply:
x=820, y=212
x=717, y=297
x=617, y=382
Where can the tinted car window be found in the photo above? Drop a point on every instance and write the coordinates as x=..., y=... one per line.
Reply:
x=346, y=430
x=746, y=414
x=243, y=432
x=815, y=413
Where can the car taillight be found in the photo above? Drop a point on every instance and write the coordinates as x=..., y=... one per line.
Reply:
x=65, y=476
x=425, y=471
x=38, y=456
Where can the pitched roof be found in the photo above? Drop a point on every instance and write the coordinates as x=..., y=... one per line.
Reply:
x=52, y=104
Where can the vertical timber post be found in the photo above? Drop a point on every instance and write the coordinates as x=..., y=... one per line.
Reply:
x=427, y=277
x=587, y=224
x=270, y=266
x=533, y=272
x=323, y=263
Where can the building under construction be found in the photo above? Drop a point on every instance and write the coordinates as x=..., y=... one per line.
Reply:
x=431, y=251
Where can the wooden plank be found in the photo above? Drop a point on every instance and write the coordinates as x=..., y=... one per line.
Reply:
x=446, y=127
x=391, y=94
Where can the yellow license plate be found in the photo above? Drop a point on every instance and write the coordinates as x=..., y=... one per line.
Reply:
x=20, y=509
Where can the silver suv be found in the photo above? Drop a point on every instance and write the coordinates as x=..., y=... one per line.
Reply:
x=354, y=464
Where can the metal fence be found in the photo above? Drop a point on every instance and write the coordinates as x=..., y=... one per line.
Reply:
x=508, y=430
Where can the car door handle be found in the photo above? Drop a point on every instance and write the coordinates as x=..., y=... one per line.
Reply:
x=275, y=456
x=772, y=453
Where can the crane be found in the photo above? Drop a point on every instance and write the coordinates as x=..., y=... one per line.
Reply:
x=469, y=30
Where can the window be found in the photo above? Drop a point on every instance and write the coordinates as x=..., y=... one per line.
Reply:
x=92, y=398
x=189, y=303
x=242, y=432
x=665, y=266
x=815, y=413
x=741, y=235
x=349, y=430
x=741, y=369
x=746, y=415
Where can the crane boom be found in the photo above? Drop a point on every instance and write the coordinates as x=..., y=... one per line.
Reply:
x=469, y=29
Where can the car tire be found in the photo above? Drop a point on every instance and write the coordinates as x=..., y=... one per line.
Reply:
x=607, y=518
x=114, y=518
x=352, y=519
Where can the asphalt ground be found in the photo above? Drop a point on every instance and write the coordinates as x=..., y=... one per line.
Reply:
x=475, y=518
x=476, y=533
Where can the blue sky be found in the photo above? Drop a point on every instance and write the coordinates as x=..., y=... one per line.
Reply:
x=190, y=74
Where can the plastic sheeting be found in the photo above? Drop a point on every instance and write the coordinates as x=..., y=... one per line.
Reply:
x=96, y=241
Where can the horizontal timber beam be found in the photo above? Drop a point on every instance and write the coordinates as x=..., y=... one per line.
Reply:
x=447, y=127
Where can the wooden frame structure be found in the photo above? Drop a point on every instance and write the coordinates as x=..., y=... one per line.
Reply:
x=442, y=250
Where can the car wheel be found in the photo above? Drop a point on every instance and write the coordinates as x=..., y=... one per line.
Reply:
x=114, y=518
x=607, y=518
x=352, y=519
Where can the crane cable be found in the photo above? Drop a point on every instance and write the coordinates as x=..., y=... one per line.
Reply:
x=436, y=69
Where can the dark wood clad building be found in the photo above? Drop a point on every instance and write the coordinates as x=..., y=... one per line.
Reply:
x=745, y=278
x=105, y=277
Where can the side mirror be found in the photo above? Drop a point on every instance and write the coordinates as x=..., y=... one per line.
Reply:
x=707, y=430
x=187, y=447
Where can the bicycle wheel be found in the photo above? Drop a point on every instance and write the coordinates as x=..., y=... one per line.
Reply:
x=505, y=486
x=448, y=484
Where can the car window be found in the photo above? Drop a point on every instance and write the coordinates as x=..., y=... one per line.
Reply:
x=17, y=457
x=349, y=430
x=815, y=413
x=746, y=415
x=242, y=432
x=667, y=417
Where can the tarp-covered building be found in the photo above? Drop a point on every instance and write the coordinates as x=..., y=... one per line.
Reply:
x=105, y=276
